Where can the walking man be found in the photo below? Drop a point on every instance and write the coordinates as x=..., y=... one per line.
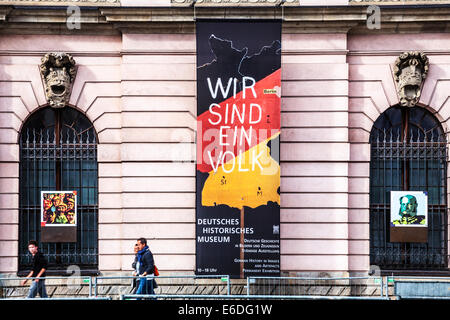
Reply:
x=38, y=270
x=145, y=268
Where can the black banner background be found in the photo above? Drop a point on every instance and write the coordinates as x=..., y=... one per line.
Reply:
x=255, y=51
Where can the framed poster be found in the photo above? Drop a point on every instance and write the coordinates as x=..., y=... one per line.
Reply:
x=58, y=208
x=409, y=209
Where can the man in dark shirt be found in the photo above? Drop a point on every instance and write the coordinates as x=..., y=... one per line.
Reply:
x=145, y=266
x=38, y=271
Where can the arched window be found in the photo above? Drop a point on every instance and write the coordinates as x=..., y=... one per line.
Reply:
x=58, y=151
x=408, y=152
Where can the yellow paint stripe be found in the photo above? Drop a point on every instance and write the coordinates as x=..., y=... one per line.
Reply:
x=244, y=181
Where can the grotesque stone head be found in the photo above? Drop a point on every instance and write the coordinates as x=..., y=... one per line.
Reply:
x=58, y=74
x=410, y=71
x=408, y=206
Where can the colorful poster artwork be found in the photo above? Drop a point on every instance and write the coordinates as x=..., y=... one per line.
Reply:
x=58, y=208
x=409, y=209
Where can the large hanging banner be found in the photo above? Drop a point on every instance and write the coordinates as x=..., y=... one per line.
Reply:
x=238, y=128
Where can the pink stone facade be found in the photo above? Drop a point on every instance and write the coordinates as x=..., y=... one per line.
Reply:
x=139, y=91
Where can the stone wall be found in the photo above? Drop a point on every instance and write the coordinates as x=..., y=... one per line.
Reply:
x=178, y=287
x=136, y=83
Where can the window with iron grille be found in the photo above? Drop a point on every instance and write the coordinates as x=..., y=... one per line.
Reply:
x=408, y=152
x=58, y=151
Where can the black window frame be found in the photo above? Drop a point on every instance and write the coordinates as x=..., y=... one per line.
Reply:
x=58, y=151
x=408, y=152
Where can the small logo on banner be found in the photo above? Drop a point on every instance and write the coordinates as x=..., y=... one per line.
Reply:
x=276, y=229
x=276, y=90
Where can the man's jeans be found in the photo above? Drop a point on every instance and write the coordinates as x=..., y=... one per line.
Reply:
x=37, y=287
x=145, y=286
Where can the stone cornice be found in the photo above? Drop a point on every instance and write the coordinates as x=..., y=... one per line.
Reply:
x=397, y=2
x=213, y=3
x=409, y=20
x=93, y=3
x=303, y=20
x=110, y=20
x=297, y=3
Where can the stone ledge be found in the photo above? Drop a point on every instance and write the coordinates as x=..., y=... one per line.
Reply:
x=217, y=3
x=397, y=2
x=63, y=3
x=113, y=21
x=321, y=283
x=181, y=20
x=114, y=291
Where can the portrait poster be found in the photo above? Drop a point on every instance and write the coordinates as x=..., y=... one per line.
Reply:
x=58, y=208
x=409, y=209
x=238, y=128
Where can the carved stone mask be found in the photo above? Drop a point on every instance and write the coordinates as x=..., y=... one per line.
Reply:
x=58, y=74
x=410, y=71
